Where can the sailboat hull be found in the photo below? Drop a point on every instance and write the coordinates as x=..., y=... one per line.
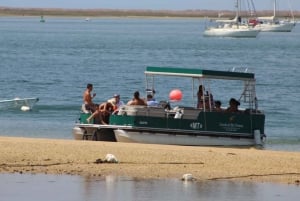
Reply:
x=230, y=32
x=281, y=27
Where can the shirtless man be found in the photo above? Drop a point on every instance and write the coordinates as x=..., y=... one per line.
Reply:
x=102, y=113
x=88, y=98
x=137, y=100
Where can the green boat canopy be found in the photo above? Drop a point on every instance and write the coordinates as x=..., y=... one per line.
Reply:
x=199, y=73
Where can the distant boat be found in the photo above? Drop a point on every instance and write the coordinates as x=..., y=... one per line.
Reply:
x=273, y=24
x=23, y=104
x=42, y=19
x=232, y=28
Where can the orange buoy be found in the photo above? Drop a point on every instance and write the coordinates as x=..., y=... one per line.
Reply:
x=175, y=95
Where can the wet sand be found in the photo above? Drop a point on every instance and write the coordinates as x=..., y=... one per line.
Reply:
x=147, y=161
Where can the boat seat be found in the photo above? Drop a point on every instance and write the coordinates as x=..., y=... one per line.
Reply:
x=137, y=110
x=156, y=112
x=191, y=113
x=131, y=110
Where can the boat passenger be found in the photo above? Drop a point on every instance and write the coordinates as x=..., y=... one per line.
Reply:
x=88, y=98
x=102, y=114
x=218, y=106
x=233, y=106
x=137, y=100
x=116, y=102
x=151, y=101
x=204, y=100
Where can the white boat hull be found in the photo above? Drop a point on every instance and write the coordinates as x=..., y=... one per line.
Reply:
x=188, y=140
x=231, y=32
x=282, y=27
x=19, y=103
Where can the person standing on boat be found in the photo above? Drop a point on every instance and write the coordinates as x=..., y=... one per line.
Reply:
x=205, y=99
x=137, y=100
x=88, y=98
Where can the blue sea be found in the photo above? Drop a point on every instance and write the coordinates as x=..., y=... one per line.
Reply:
x=55, y=60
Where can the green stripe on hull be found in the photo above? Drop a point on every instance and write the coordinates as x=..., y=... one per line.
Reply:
x=209, y=121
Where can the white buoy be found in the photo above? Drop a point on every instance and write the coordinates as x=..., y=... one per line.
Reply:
x=25, y=108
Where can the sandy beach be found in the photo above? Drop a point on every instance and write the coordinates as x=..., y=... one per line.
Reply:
x=147, y=161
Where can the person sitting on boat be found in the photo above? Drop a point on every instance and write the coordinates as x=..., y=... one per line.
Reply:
x=116, y=101
x=88, y=98
x=233, y=106
x=204, y=100
x=137, y=100
x=102, y=114
x=218, y=106
x=151, y=101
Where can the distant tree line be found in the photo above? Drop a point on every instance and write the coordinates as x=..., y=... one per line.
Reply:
x=135, y=13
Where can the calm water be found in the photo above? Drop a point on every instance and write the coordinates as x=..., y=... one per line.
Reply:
x=73, y=188
x=55, y=60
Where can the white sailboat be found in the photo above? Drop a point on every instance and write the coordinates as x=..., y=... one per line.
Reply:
x=273, y=24
x=232, y=28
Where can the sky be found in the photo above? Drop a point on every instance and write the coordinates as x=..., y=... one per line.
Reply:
x=148, y=4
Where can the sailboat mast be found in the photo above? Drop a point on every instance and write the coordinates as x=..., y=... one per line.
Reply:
x=275, y=2
x=237, y=6
x=251, y=7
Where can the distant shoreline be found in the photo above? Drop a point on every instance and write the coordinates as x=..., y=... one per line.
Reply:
x=7, y=11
